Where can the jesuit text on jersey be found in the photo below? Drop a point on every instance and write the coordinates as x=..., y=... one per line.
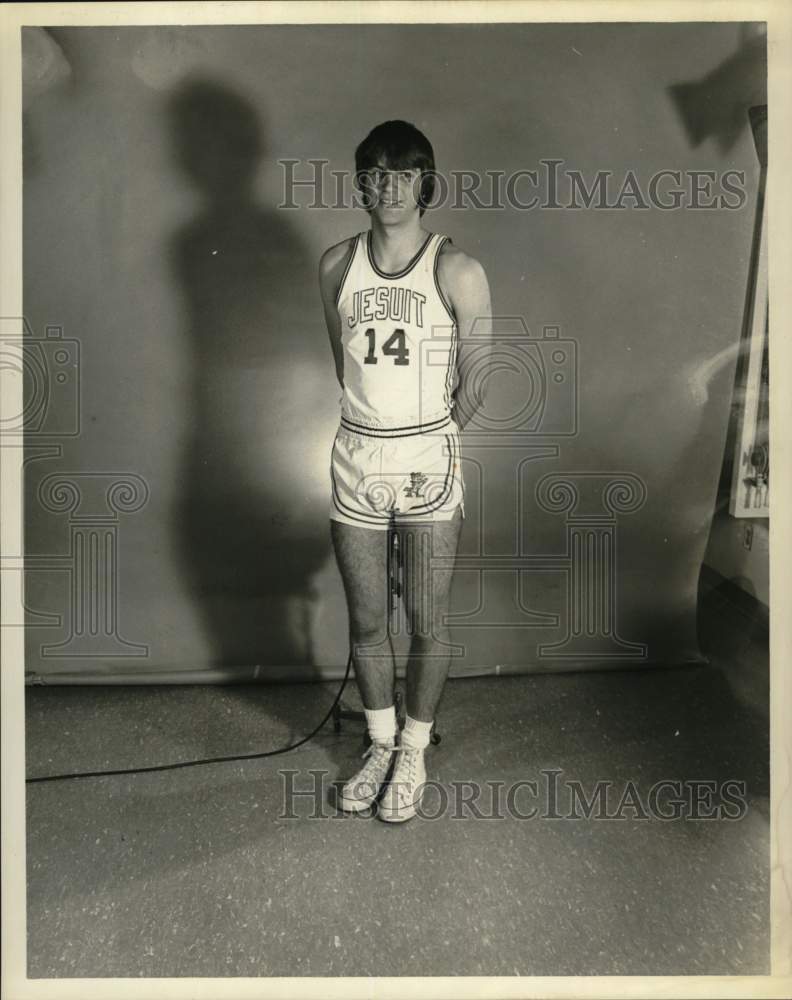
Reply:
x=399, y=304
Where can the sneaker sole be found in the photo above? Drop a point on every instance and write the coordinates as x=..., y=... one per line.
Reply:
x=354, y=805
x=401, y=817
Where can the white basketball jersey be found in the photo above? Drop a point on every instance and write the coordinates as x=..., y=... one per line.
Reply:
x=399, y=338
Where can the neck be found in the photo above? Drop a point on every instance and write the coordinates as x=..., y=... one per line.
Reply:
x=395, y=245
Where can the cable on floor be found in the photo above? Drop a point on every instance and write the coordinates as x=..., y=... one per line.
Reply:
x=206, y=760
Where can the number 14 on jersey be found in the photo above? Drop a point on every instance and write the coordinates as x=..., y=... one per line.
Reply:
x=395, y=346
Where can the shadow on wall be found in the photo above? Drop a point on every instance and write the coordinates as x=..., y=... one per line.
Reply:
x=716, y=105
x=249, y=533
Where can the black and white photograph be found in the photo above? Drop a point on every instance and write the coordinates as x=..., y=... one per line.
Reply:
x=389, y=399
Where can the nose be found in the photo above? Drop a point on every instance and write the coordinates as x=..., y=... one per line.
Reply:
x=390, y=185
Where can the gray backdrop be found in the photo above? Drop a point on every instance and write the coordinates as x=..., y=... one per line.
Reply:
x=177, y=487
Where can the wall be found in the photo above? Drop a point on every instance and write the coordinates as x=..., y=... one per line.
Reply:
x=152, y=238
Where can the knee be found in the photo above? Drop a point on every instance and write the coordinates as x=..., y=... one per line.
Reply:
x=368, y=628
x=428, y=622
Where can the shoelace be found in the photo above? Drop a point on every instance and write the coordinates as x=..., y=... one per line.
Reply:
x=378, y=754
x=407, y=761
x=404, y=778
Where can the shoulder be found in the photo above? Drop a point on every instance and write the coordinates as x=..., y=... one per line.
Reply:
x=458, y=271
x=336, y=257
x=333, y=265
x=455, y=267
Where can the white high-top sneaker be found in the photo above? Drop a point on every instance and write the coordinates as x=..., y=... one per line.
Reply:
x=362, y=790
x=405, y=788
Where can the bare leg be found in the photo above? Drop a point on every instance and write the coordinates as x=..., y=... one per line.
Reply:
x=362, y=555
x=427, y=586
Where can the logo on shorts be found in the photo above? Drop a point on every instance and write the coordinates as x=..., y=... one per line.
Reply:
x=417, y=482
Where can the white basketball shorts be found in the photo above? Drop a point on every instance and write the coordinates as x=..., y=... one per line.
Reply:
x=381, y=481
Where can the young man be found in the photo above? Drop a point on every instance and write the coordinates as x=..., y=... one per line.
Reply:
x=400, y=304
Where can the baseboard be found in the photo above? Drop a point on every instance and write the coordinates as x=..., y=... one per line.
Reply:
x=307, y=674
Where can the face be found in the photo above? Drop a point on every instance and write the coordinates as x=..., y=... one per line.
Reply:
x=394, y=193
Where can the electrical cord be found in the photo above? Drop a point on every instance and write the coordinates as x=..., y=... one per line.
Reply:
x=206, y=760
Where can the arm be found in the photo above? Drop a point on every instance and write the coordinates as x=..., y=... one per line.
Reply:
x=464, y=283
x=331, y=272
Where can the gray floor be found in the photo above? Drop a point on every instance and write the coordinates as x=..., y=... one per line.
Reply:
x=197, y=872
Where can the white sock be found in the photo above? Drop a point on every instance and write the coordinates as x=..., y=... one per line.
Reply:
x=416, y=734
x=381, y=724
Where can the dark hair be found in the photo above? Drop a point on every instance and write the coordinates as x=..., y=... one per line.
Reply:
x=398, y=145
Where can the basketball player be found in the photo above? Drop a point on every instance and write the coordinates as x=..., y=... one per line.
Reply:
x=400, y=303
